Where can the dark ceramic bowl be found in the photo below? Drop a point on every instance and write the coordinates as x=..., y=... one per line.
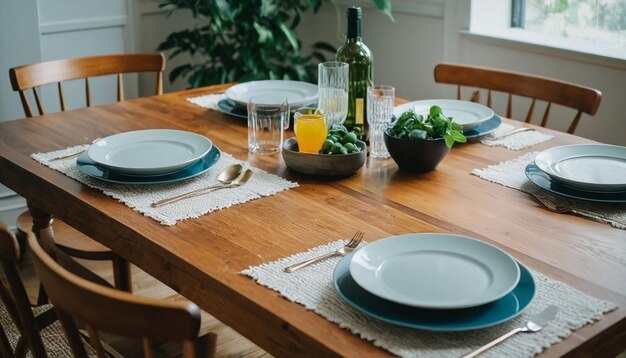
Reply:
x=331, y=165
x=416, y=155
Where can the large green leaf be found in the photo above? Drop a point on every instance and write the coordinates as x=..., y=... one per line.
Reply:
x=291, y=36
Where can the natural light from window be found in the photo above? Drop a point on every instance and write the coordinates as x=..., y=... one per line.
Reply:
x=595, y=27
x=600, y=21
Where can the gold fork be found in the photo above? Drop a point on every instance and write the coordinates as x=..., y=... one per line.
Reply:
x=561, y=208
x=351, y=245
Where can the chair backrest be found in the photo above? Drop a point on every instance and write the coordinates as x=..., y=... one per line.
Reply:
x=38, y=74
x=108, y=310
x=580, y=98
x=15, y=298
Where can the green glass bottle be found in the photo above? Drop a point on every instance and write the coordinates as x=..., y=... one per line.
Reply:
x=360, y=59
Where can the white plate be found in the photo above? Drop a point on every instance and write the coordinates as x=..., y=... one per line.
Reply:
x=435, y=271
x=467, y=114
x=599, y=167
x=149, y=152
x=273, y=92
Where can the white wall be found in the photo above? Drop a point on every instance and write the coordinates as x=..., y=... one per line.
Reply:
x=39, y=30
x=18, y=47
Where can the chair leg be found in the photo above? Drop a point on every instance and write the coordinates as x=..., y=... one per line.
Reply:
x=22, y=239
x=121, y=274
x=206, y=345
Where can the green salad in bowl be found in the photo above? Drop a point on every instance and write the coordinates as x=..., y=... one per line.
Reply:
x=418, y=143
x=435, y=126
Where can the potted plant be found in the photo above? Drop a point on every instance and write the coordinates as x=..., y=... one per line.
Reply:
x=419, y=143
x=247, y=40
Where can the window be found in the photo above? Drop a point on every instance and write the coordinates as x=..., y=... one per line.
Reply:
x=602, y=22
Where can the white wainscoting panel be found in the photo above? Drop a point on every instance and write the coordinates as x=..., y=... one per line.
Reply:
x=11, y=206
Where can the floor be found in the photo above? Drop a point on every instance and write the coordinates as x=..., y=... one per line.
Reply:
x=229, y=342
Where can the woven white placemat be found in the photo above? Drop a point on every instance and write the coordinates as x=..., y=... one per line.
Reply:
x=511, y=174
x=139, y=197
x=208, y=101
x=515, y=141
x=313, y=288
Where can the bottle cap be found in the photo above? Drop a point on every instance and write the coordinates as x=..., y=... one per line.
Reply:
x=354, y=12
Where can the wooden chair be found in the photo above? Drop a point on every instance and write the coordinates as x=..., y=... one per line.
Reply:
x=24, y=327
x=103, y=309
x=28, y=77
x=580, y=98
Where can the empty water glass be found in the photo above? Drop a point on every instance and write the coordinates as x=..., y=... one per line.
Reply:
x=266, y=124
x=379, y=114
x=332, y=95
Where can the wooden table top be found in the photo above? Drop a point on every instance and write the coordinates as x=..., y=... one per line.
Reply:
x=201, y=258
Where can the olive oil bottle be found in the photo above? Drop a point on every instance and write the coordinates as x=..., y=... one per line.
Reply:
x=360, y=61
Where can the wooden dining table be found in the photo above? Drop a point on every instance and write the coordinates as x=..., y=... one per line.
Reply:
x=202, y=258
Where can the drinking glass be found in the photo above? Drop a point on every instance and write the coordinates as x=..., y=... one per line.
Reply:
x=266, y=124
x=379, y=114
x=310, y=128
x=332, y=95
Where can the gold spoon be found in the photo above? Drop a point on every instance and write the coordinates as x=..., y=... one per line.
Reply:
x=226, y=177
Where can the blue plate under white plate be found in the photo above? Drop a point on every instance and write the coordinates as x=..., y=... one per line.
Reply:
x=484, y=128
x=91, y=168
x=502, y=310
x=231, y=108
x=543, y=180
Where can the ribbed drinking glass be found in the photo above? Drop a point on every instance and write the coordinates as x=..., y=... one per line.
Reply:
x=332, y=87
x=379, y=114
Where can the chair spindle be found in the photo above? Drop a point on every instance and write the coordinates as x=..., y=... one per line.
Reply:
x=572, y=127
x=489, y=99
x=475, y=97
x=94, y=340
x=509, y=106
x=120, y=88
x=458, y=92
x=546, y=114
x=61, y=97
x=159, y=88
x=87, y=92
x=529, y=115
x=27, y=110
x=72, y=335
x=38, y=101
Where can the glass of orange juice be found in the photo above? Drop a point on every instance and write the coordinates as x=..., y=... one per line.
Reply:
x=310, y=128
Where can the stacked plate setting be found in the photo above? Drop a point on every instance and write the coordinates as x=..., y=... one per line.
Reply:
x=477, y=120
x=437, y=282
x=298, y=94
x=592, y=172
x=150, y=156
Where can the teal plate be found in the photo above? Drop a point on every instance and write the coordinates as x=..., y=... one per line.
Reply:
x=91, y=168
x=543, y=180
x=229, y=107
x=502, y=310
x=484, y=128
